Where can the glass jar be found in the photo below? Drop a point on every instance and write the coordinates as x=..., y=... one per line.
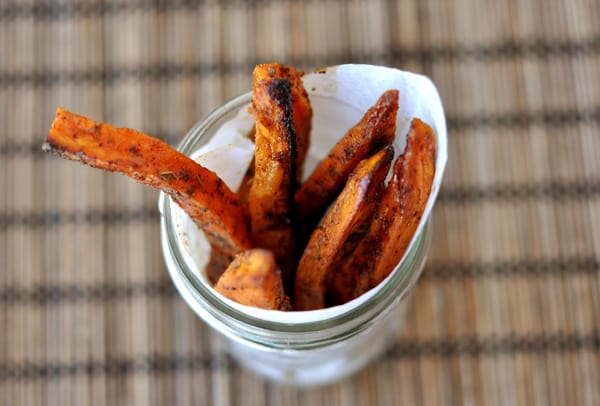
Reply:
x=306, y=348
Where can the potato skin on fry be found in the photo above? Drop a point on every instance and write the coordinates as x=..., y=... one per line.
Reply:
x=253, y=279
x=393, y=226
x=199, y=191
x=342, y=227
x=270, y=199
x=376, y=129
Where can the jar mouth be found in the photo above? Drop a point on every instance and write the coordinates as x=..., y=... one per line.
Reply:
x=208, y=303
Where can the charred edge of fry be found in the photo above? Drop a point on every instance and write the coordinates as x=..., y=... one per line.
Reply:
x=271, y=204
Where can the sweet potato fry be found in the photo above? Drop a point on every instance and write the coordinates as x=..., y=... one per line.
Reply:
x=301, y=108
x=199, y=191
x=396, y=220
x=253, y=279
x=376, y=129
x=342, y=227
x=270, y=199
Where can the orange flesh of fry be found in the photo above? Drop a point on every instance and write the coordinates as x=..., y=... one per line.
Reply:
x=337, y=235
x=199, y=191
x=397, y=218
x=253, y=279
x=376, y=129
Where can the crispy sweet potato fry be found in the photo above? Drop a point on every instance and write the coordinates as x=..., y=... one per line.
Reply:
x=376, y=129
x=301, y=108
x=270, y=199
x=199, y=191
x=396, y=220
x=341, y=229
x=253, y=279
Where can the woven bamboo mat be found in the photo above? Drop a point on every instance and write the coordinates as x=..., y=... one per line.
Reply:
x=508, y=308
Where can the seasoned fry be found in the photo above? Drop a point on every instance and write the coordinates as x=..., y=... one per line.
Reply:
x=270, y=200
x=396, y=220
x=199, y=191
x=342, y=227
x=253, y=279
x=301, y=108
x=376, y=129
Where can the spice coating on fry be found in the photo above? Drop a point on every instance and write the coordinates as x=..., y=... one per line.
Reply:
x=376, y=129
x=301, y=107
x=199, y=191
x=340, y=230
x=396, y=220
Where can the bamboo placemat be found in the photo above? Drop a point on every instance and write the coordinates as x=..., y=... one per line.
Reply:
x=508, y=308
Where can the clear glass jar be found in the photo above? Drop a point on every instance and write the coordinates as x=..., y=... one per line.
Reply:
x=300, y=350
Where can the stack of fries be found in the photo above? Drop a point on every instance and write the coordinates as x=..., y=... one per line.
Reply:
x=280, y=243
